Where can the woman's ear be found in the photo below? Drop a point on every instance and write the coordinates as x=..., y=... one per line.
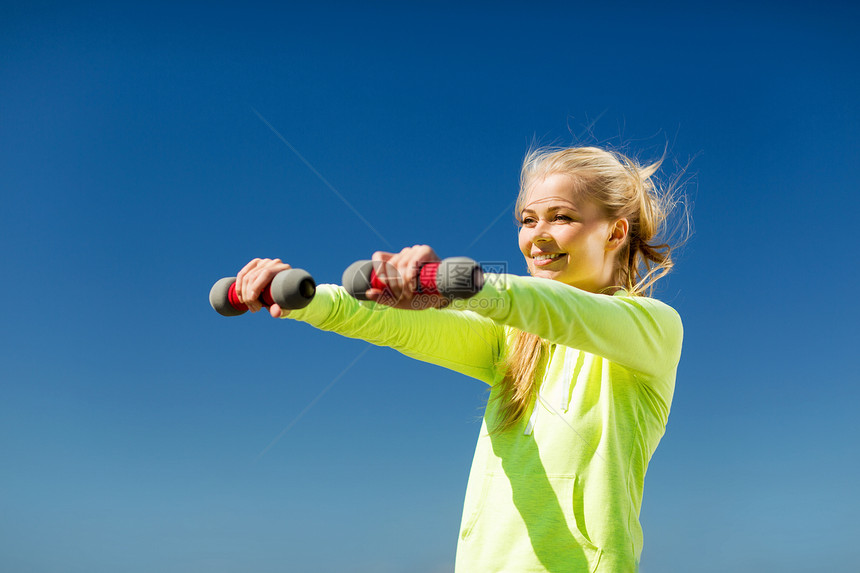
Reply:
x=617, y=234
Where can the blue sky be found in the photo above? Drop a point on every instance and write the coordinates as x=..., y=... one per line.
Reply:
x=143, y=156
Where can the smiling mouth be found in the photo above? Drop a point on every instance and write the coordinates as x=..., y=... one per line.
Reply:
x=543, y=260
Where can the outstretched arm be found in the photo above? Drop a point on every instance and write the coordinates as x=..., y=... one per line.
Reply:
x=461, y=341
x=639, y=333
x=464, y=342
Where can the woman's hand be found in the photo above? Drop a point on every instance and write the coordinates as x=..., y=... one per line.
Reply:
x=399, y=272
x=254, y=278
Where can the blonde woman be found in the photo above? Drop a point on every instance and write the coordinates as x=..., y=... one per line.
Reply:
x=580, y=361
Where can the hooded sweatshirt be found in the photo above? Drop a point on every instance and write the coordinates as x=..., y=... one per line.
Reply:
x=560, y=491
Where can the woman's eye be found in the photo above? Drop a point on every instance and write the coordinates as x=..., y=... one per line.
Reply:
x=564, y=218
x=529, y=221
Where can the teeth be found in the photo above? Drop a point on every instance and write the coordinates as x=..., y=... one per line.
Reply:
x=545, y=257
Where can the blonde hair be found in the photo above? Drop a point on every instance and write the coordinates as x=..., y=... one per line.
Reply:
x=622, y=188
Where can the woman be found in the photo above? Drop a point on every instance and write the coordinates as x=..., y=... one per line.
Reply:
x=581, y=363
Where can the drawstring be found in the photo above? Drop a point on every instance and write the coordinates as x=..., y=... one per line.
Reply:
x=568, y=367
x=533, y=418
x=566, y=375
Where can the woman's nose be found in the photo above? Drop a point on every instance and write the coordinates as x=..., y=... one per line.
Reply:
x=541, y=233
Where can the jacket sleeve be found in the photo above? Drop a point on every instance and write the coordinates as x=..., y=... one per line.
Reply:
x=639, y=333
x=461, y=341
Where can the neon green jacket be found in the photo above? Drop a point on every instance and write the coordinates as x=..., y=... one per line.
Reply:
x=560, y=492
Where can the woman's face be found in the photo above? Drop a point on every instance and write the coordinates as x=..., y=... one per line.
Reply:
x=565, y=237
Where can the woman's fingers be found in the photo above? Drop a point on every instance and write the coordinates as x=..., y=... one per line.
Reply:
x=240, y=278
x=386, y=271
x=254, y=278
x=265, y=273
x=400, y=274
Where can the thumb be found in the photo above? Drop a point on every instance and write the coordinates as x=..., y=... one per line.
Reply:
x=277, y=312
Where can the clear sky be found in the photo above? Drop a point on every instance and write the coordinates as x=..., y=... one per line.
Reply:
x=150, y=149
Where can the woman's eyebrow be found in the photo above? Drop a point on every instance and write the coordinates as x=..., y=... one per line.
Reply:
x=551, y=208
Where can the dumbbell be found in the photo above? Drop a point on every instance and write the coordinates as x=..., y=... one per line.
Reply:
x=290, y=289
x=454, y=277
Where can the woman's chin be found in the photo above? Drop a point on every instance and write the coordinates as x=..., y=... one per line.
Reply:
x=554, y=275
